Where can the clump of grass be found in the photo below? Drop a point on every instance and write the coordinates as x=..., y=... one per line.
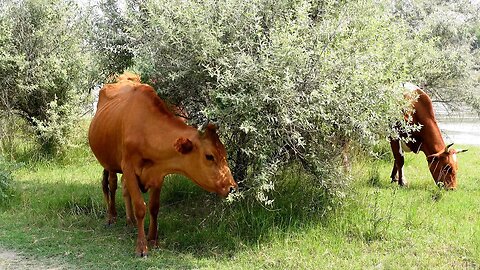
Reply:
x=379, y=219
x=438, y=192
x=374, y=177
x=61, y=214
x=6, y=179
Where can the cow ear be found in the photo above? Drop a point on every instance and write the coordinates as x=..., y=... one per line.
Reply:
x=183, y=145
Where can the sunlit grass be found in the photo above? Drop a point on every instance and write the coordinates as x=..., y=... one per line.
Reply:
x=58, y=215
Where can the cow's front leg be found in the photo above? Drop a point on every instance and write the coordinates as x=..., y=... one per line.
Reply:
x=393, y=175
x=154, y=205
x=131, y=182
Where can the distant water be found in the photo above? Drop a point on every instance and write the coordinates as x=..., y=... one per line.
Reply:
x=460, y=130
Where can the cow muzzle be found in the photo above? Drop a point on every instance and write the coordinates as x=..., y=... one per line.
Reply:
x=228, y=190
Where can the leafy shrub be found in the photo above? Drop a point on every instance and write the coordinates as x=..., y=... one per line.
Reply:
x=108, y=38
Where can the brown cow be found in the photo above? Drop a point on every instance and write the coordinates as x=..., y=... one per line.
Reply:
x=442, y=160
x=135, y=134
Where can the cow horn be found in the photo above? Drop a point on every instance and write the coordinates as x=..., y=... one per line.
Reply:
x=448, y=147
x=203, y=126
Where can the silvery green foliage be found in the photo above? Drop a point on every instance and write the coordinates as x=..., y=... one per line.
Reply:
x=288, y=80
x=450, y=27
x=108, y=38
x=54, y=130
x=42, y=65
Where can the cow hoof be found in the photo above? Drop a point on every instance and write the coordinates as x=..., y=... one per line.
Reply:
x=142, y=253
x=403, y=183
x=153, y=243
x=393, y=180
x=111, y=221
x=131, y=222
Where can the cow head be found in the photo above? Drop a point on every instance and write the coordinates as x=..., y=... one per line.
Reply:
x=444, y=166
x=206, y=161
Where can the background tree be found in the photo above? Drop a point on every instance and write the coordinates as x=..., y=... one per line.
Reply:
x=109, y=38
x=450, y=27
x=43, y=66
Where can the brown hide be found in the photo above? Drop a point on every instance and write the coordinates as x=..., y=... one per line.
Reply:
x=442, y=161
x=134, y=133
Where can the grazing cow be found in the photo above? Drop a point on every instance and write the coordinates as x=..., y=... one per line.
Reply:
x=442, y=160
x=134, y=133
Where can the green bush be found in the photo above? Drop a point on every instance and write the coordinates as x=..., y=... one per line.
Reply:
x=292, y=83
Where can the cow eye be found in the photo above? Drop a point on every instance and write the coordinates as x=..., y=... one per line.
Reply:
x=209, y=157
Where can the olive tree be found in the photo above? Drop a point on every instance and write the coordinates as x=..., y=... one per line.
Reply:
x=109, y=39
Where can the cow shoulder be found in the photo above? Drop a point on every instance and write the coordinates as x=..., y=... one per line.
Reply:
x=423, y=106
x=148, y=93
x=107, y=92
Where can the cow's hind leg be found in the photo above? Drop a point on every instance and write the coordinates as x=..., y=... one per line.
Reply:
x=394, y=175
x=398, y=163
x=109, y=186
x=112, y=210
x=105, y=187
x=106, y=193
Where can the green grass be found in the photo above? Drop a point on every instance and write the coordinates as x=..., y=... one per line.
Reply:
x=58, y=217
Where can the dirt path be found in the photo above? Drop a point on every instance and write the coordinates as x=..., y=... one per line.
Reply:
x=13, y=260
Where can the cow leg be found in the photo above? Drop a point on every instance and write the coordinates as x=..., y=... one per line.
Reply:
x=154, y=205
x=395, y=145
x=139, y=207
x=128, y=204
x=393, y=175
x=398, y=163
x=112, y=210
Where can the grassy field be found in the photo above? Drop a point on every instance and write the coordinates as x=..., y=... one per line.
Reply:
x=58, y=218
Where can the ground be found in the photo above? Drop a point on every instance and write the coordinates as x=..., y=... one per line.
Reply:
x=13, y=260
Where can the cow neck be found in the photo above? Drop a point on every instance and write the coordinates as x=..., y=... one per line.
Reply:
x=173, y=129
x=431, y=138
x=434, y=144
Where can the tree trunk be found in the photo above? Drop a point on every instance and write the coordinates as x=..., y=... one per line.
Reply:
x=241, y=161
